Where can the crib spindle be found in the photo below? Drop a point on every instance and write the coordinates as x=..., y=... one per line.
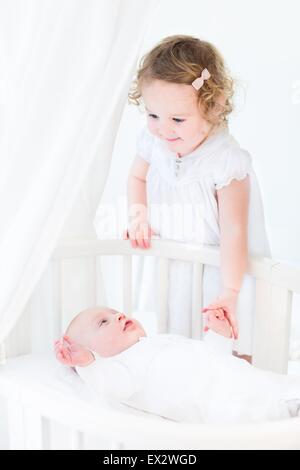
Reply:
x=16, y=429
x=77, y=440
x=263, y=317
x=272, y=327
x=116, y=445
x=163, y=270
x=197, y=322
x=281, y=324
x=35, y=428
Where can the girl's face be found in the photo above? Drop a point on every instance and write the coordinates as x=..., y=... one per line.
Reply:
x=174, y=116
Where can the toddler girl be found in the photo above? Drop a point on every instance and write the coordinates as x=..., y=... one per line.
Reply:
x=192, y=182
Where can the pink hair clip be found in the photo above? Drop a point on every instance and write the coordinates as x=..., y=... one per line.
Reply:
x=198, y=82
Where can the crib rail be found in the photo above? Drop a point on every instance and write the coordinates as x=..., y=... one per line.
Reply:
x=32, y=411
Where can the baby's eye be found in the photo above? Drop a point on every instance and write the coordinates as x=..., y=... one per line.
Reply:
x=101, y=322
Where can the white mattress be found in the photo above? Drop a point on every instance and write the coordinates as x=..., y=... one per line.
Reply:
x=43, y=370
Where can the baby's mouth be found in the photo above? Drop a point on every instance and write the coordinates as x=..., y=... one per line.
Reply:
x=127, y=324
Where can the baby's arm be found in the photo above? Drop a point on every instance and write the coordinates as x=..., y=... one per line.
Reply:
x=219, y=332
x=70, y=353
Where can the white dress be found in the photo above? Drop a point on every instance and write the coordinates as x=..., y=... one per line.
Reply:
x=182, y=205
x=187, y=380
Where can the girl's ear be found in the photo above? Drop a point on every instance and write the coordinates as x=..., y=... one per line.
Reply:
x=220, y=105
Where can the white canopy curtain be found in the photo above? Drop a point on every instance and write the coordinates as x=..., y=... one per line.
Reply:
x=66, y=67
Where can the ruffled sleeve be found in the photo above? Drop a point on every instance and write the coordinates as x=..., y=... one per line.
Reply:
x=234, y=164
x=145, y=141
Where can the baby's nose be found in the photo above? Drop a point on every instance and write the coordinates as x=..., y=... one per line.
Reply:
x=121, y=316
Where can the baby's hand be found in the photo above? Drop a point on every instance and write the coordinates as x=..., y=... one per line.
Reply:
x=71, y=354
x=227, y=302
x=139, y=233
x=217, y=322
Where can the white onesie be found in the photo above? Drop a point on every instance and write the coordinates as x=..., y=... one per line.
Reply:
x=182, y=206
x=188, y=380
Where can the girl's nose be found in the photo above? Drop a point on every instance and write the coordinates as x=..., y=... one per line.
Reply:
x=166, y=135
x=121, y=316
x=166, y=131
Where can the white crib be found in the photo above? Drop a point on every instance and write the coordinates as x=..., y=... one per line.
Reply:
x=38, y=415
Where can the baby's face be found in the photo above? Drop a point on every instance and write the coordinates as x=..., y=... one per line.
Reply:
x=173, y=113
x=106, y=331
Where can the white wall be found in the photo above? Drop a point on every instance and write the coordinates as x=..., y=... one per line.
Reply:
x=260, y=42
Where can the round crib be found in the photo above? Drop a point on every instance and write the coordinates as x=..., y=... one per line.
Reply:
x=37, y=413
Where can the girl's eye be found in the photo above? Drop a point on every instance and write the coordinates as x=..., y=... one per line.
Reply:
x=102, y=321
x=175, y=119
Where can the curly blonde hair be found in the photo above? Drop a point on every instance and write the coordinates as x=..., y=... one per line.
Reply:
x=181, y=59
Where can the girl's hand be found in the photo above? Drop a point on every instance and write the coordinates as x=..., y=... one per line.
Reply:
x=227, y=302
x=71, y=354
x=139, y=233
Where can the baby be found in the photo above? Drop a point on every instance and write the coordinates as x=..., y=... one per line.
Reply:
x=182, y=379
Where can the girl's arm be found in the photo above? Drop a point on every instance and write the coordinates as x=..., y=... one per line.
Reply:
x=136, y=185
x=233, y=201
x=139, y=231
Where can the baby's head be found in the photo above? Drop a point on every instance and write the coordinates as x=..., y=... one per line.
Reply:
x=175, y=109
x=104, y=330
